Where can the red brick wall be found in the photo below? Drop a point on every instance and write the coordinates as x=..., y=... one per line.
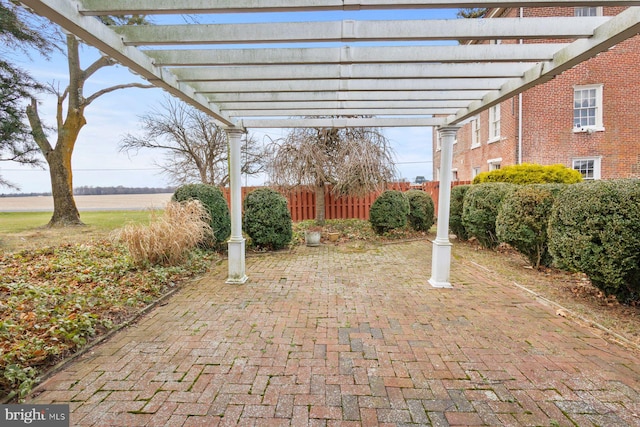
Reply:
x=548, y=135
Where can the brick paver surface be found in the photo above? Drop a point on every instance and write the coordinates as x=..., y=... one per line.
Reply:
x=351, y=336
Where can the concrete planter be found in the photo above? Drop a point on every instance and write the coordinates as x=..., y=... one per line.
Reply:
x=312, y=238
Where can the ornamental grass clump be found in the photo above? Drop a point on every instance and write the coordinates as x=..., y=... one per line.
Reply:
x=168, y=238
x=217, y=209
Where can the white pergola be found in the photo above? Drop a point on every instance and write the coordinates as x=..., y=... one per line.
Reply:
x=273, y=73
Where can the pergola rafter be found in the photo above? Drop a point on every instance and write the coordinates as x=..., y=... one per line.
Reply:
x=263, y=72
x=156, y=7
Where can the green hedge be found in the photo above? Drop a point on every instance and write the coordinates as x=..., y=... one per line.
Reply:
x=595, y=228
x=455, y=212
x=420, y=210
x=216, y=205
x=481, y=204
x=528, y=173
x=523, y=219
x=267, y=219
x=389, y=211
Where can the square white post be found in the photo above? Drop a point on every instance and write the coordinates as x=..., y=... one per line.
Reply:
x=236, y=243
x=441, y=253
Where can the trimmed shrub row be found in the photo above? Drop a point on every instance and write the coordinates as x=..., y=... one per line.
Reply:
x=480, y=209
x=528, y=173
x=266, y=218
x=591, y=227
x=595, y=228
x=394, y=209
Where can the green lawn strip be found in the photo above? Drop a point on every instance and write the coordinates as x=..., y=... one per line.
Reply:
x=17, y=222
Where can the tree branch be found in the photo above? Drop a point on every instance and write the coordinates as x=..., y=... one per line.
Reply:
x=102, y=62
x=99, y=93
x=37, y=129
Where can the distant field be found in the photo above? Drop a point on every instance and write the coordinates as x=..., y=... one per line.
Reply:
x=87, y=203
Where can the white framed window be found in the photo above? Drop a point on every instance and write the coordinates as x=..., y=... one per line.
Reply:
x=475, y=132
x=494, y=123
x=494, y=164
x=587, y=108
x=587, y=11
x=475, y=171
x=454, y=174
x=589, y=167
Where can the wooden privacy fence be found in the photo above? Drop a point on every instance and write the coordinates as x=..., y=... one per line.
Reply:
x=302, y=200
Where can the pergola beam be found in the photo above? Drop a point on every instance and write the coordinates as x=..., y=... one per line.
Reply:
x=366, y=85
x=342, y=122
x=357, y=55
x=311, y=96
x=355, y=71
x=360, y=31
x=151, y=7
x=322, y=105
x=292, y=112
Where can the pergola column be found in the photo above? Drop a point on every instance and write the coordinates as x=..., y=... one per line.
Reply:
x=441, y=254
x=236, y=243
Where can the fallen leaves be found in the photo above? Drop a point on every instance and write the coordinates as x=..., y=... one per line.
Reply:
x=53, y=301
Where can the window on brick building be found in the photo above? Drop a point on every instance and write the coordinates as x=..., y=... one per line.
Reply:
x=587, y=108
x=494, y=123
x=475, y=132
x=589, y=167
x=475, y=171
x=494, y=164
x=588, y=11
x=454, y=175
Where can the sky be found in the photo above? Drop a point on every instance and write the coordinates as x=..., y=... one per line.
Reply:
x=97, y=160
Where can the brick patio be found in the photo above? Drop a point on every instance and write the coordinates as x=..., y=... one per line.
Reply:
x=352, y=336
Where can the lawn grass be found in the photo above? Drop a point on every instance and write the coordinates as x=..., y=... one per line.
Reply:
x=17, y=222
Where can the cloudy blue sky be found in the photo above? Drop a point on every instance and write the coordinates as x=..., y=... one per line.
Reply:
x=97, y=160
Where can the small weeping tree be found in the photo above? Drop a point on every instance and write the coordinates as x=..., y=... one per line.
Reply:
x=354, y=161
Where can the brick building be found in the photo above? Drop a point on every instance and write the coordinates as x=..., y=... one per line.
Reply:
x=586, y=118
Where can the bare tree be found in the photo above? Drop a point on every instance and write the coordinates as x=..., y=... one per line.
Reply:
x=196, y=149
x=69, y=123
x=353, y=161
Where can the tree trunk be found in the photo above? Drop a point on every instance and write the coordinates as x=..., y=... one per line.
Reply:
x=320, y=204
x=65, y=212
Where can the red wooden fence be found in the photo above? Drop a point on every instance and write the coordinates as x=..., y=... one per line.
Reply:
x=302, y=204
